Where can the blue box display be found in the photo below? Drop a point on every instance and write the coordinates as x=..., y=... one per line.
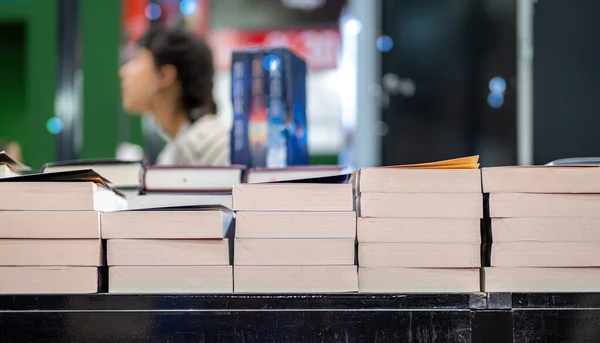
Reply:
x=269, y=101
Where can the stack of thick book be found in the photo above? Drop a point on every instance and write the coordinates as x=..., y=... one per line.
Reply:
x=294, y=237
x=419, y=227
x=169, y=250
x=50, y=234
x=545, y=227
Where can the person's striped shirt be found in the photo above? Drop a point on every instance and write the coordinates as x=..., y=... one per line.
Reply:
x=203, y=142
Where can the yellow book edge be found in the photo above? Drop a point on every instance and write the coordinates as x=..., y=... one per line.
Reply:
x=470, y=162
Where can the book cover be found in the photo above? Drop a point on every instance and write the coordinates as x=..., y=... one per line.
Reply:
x=241, y=81
x=285, y=88
x=257, y=117
x=274, y=126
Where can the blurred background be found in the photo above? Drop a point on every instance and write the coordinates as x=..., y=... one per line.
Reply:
x=390, y=81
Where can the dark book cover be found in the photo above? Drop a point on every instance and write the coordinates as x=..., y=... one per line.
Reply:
x=241, y=81
x=86, y=175
x=274, y=127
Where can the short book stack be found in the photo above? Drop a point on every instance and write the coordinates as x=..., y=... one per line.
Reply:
x=419, y=227
x=545, y=227
x=169, y=250
x=294, y=237
x=50, y=235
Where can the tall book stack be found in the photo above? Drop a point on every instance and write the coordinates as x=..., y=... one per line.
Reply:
x=294, y=237
x=545, y=228
x=50, y=235
x=169, y=250
x=419, y=227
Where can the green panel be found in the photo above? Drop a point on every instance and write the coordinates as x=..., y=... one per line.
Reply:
x=39, y=77
x=13, y=111
x=14, y=10
x=40, y=146
x=323, y=160
x=100, y=34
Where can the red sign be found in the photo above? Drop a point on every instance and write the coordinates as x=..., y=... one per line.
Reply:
x=319, y=47
x=134, y=20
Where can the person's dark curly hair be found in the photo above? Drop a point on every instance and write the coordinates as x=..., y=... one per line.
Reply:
x=192, y=58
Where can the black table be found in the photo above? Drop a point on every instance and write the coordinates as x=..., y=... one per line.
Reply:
x=477, y=317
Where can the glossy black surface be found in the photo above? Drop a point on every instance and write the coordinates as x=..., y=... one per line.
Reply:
x=236, y=326
x=113, y=302
x=478, y=317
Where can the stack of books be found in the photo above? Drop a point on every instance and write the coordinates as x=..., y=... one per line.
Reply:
x=169, y=250
x=545, y=228
x=294, y=237
x=419, y=227
x=50, y=234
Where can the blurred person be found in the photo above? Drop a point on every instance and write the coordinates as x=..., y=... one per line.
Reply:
x=171, y=77
x=12, y=148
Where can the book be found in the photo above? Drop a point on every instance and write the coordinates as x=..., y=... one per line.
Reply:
x=84, y=175
x=170, y=279
x=297, y=252
x=274, y=123
x=257, y=175
x=7, y=171
x=49, y=280
x=51, y=252
x=57, y=196
x=241, y=85
x=536, y=280
x=469, y=162
x=545, y=254
x=419, y=255
x=295, y=279
x=14, y=165
x=191, y=178
x=414, y=180
x=293, y=197
x=421, y=205
x=182, y=222
x=507, y=205
x=295, y=225
x=577, y=229
x=459, y=175
x=418, y=280
x=167, y=252
x=50, y=224
x=120, y=174
x=418, y=230
x=159, y=200
x=541, y=179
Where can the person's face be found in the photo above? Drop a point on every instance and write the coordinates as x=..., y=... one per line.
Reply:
x=140, y=81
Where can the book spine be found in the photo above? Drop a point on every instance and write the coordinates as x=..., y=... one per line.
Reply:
x=277, y=111
x=297, y=129
x=240, y=96
x=257, y=120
